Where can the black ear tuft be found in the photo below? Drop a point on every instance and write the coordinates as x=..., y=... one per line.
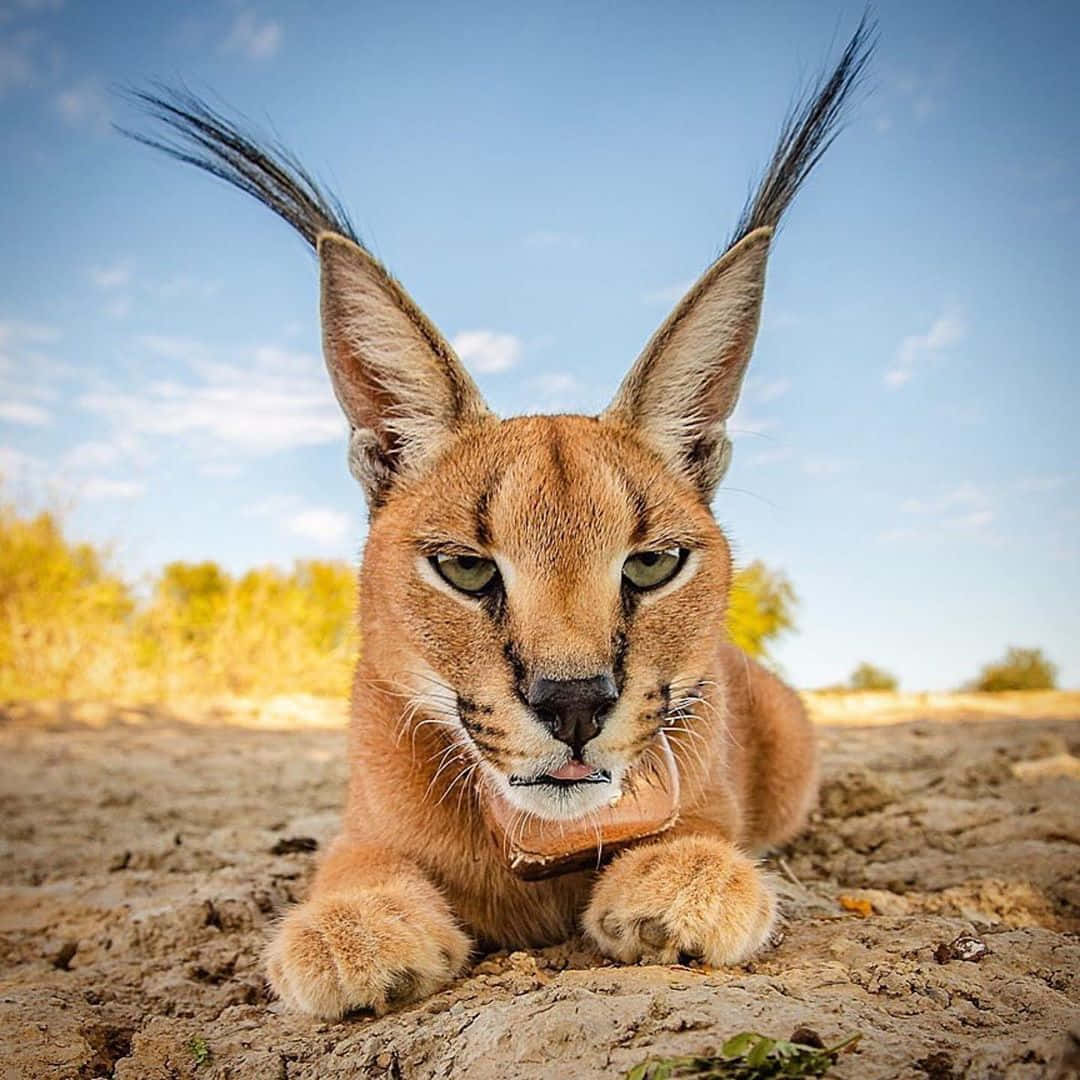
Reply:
x=807, y=133
x=198, y=134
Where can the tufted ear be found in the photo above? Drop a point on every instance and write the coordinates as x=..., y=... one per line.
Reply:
x=403, y=389
x=684, y=386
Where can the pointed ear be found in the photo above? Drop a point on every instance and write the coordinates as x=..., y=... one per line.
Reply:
x=684, y=386
x=403, y=389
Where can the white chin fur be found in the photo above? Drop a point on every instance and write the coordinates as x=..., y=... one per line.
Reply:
x=561, y=803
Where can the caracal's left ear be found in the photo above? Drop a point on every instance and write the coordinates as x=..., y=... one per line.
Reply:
x=684, y=386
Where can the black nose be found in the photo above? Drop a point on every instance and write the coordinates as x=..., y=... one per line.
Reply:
x=574, y=709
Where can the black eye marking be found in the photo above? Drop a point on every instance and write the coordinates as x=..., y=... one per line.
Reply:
x=517, y=668
x=618, y=664
x=483, y=521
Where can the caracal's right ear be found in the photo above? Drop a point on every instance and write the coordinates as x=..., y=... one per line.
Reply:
x=682, y=390
x=400, y=384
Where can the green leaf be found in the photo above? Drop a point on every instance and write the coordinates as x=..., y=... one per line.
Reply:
x=737, y=1045
x=762, y=1049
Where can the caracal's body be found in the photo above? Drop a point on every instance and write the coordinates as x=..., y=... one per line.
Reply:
x=542, y=599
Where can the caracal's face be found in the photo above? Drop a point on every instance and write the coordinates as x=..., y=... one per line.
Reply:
x=540, y=552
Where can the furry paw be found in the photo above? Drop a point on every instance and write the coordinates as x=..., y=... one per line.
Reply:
x=694, y=896
x=375, y=948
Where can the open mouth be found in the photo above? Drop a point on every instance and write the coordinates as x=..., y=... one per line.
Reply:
x=569, y=775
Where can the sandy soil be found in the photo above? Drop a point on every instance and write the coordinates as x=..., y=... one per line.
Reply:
x=144, y=854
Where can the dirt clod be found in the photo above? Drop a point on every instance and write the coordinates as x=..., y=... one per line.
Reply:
x=965, y=947
x=292, y=844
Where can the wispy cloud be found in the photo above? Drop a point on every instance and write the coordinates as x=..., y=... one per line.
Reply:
x=966, y=508
x=104, y=487
x=827, y=466
x=23, y=412
x=557, y=391
x=766, y=390
x=250, y=36
x=487, y=351
x=26, y=376
x=770, y=457
x=20, y=469
x=966, y=496
x=667, y=294
x=267, y=399
x=85, y=106
x=947, y=329
x=326, y=525
x=14, y=332
x=322, y=524
x=114, y=275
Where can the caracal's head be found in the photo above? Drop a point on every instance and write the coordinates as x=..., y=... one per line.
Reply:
x=550, y=588
x=547, y=592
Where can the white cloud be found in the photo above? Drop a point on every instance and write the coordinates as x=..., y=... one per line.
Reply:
x=102, y=454
x=556, y=383
x=947, y=329
x=19, y=467
x=964, y=496
x=487, y=351
x=103, y=487
x=770, y=457
x=118, y=308
x=22, y=412
x=321, y=524
x=826, y=466
x=113, y=276
x=765, y=390
x=255, y=39
x=742, y=423
x=85, y=106
x=14, y=332
x=269, y=399
x=965, y=508
x=668, y=294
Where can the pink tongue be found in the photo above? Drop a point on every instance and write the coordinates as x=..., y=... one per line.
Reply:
x=572, y=770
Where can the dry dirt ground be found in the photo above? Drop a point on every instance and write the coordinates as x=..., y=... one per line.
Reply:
x=144, y=854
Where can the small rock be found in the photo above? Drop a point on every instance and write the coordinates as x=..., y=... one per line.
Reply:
x=965, y=947
x=807, y=1036
x=64, y=955
x=290, y=845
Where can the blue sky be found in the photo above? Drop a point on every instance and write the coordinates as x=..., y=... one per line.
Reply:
x=545, y=182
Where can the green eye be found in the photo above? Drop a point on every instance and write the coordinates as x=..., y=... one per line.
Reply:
x=647, y=569
x=469, y=573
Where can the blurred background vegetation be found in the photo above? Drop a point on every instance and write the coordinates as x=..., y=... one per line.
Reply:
x=71, y=626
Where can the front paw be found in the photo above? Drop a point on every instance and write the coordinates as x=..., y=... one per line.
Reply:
x=375, y=948
x=695, y=896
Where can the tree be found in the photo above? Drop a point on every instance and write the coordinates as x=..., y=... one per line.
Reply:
x=1021, y=669
x=63, y=612
x=868, y=677
x=761, y=608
